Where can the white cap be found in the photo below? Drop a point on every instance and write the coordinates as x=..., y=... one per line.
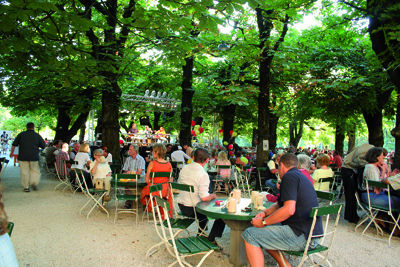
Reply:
x=179, y=147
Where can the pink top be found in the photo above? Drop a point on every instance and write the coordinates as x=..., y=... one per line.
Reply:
x=224, y=173
x=307, y=174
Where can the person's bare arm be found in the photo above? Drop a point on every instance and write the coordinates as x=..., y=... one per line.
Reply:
x=209, y=197
x=268, y=211
x=281, y=214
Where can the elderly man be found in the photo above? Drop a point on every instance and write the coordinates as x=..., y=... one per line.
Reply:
x=134, y=164
x=29, y=143
x=286, y=224
x=194, y=174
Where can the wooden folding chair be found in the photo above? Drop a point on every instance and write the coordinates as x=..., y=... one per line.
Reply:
x=124, y=183
x=180, y=248
x=327, y=235
x=93, y=195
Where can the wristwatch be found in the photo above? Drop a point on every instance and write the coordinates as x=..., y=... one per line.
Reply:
x=264, y=223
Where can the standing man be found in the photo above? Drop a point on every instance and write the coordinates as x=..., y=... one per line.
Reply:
x=29, y=142
x=194, y=174
x=286, y=224
x=351, y=169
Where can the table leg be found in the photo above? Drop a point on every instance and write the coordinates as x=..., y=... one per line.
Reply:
x=237, y=253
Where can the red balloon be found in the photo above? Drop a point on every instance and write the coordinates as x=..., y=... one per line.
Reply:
x=230, y=132
x=230, y=147
x=193, y=133
x=230, y=153
x=221, y=131
x=201, y=130
x=193, y=123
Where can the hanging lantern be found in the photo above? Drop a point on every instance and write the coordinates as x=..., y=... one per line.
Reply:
x=230, y=147
x=193, y=133
x=230, y=153
x=234, y=134
x=221, y=131
x=230, y=132
x=225, y=143
x=201, y=129
x=193, y=123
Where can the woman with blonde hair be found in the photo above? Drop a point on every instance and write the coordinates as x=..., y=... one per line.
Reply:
x=223, y=173
x=323, y=171
x=159, y=164
x=83, y=162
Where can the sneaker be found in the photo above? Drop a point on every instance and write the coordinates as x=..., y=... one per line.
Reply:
x=27, y=190
x=34, y=187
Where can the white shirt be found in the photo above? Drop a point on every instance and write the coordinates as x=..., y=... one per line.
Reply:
x=135, y=164
x=82, y=158
x=179, y=156
x=109, y=158
x=193, y=174
x=101, y=171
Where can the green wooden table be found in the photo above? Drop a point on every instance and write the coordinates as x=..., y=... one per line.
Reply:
x=237, y=222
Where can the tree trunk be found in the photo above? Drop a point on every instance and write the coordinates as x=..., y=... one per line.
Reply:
x=273, y=125
x=352, y=139
x=295, y=134
x=254, y=137
x=185, y=136
x=339, y=138
x=384, y=17
x=396, y=134
x=374, y=124
x=228, y=118
x=63, y=130
x=110, y=112
x=63, y=121
x=82, y=132
x=267, y=52
x=156, y=123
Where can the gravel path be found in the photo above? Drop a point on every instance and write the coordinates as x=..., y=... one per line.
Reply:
x=49, y=231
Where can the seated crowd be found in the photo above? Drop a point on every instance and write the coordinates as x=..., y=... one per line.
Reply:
x=292, y=175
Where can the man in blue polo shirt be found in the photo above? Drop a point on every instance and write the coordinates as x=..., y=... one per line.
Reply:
x=286, y=224
x=28, y=142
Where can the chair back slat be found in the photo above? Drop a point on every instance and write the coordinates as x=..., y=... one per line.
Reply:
x=325, y=195
x=155, y=188
x=322, y=211
x=223, y=166
x=326, y=180
x=183, y=187
x=160, y=174
x=162, y=202
x=120, y=176
x=376, y=184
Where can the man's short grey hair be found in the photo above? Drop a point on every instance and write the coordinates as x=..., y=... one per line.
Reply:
x=135, y=147
x=98, y=152
x=304, y=161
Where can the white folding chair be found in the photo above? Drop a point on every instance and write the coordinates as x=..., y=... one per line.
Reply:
x=123, y=184
x=327, y=235
x=63, y=179
x=152, y=176
x=4, y=163
x=180, y=248
x=93, y=195
x=373, y=209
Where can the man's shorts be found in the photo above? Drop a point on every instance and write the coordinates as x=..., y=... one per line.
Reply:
x=274, y=237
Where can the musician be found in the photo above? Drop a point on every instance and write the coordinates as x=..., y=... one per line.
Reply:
x=161, y=134
x=132, y=129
